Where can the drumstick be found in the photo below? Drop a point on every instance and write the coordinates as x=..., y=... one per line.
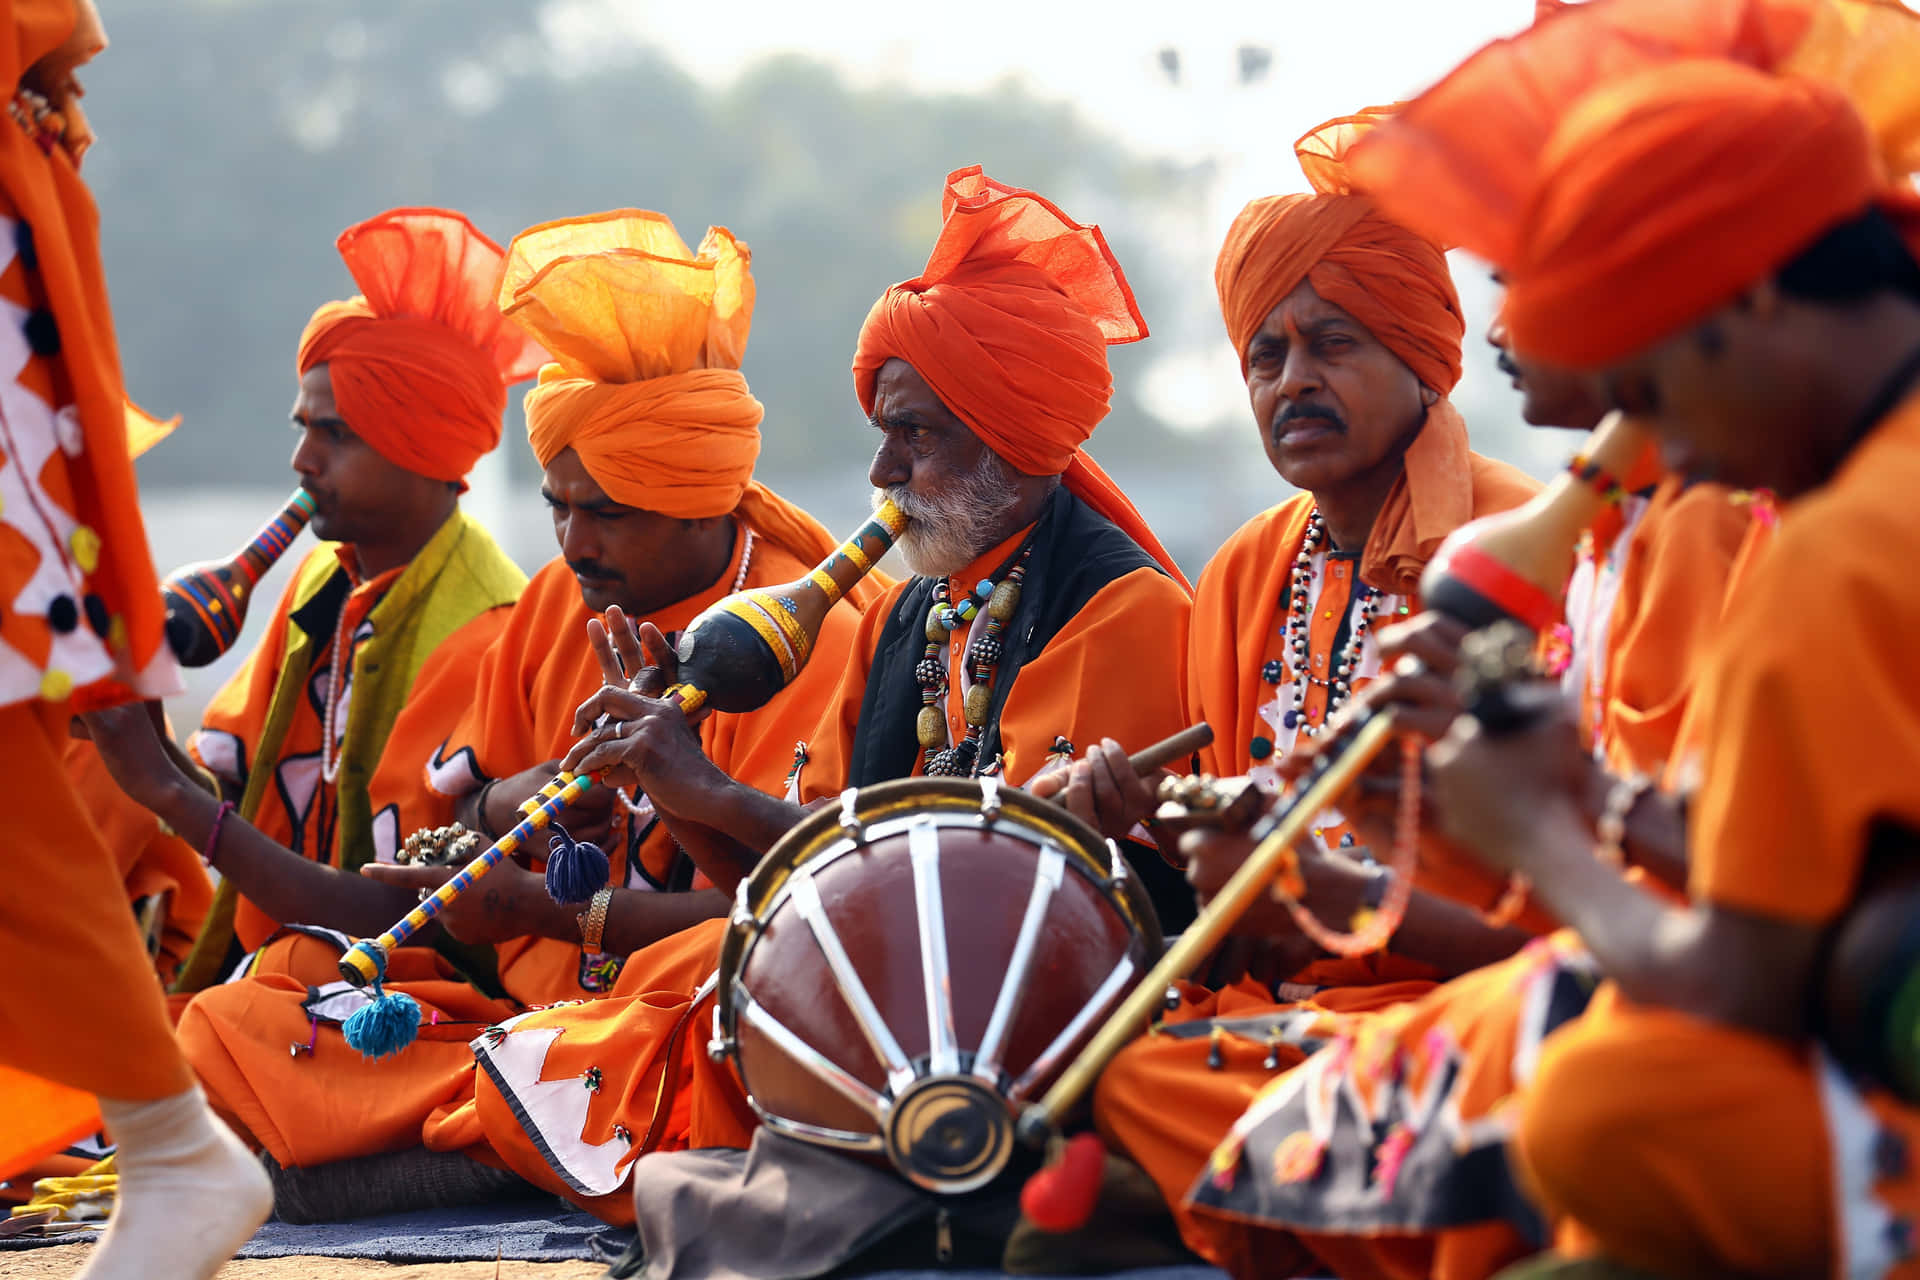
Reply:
x=1181, y=744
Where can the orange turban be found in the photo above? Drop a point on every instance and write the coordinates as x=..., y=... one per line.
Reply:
x=1009, y=324
x=647, y=338
x=1389, y=279
x=1508, y=156
x=421, y=361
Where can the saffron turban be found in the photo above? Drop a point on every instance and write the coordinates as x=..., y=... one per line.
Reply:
x=1009, y=324
x=647, y=338
x=420, y=362
x=1632, y=166
x=1390, y=279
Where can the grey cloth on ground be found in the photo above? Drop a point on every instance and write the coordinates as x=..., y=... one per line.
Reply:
x=392, y=1182
x=781, y=1210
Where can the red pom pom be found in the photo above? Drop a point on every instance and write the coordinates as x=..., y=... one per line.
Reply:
x=1060, y=1198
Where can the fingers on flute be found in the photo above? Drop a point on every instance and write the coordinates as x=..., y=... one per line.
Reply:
x=602, y=646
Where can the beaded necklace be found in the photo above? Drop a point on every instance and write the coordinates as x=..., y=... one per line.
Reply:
x=1339, y=683
x=333, y=728
x=939, y=760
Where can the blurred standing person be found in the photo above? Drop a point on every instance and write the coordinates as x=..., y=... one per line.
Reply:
x=81, y=628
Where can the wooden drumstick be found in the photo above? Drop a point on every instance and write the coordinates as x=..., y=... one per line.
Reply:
x=1167, y=750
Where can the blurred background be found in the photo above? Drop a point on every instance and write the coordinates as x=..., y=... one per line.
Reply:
x=238, y=137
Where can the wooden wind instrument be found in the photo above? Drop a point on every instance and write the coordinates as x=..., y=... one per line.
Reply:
x=734, y=657
x=1511, y=569
x=207, y=602
x=1515, y=564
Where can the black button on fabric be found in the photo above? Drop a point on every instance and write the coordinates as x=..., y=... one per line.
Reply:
x=43, y=333
x=63, y=615
x=23, y=246
x=97, y=616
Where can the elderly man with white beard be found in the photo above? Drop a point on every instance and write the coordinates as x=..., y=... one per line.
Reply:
x=1043, y=621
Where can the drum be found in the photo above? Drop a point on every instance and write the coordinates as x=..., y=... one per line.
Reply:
x=908, y=967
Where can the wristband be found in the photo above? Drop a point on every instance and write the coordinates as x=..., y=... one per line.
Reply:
x=593, y=921
x=213, y=833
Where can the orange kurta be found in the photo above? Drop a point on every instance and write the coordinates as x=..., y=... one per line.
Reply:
x=569, y=1097
x=469, y=720
x=514, y=710
x=1779, y=829
x=80, y=625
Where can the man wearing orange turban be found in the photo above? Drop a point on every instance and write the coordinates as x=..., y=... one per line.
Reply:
x=1349, y=334
x=80, y=631
x=1720, y=1106
x=647, y=434
x=401, y=392
x=984, y=376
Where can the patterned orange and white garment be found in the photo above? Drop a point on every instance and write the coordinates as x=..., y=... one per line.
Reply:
x=80, y=627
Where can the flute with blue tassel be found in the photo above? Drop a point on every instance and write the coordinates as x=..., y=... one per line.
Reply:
x=733, y=658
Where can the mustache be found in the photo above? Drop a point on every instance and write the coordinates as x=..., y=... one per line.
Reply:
x=595, y=570
x=1296, y=412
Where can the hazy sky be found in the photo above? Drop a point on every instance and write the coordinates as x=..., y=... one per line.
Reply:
x=1327, y=57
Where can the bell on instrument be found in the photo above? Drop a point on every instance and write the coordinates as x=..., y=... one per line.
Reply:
x=905, y=970
x=207, y=602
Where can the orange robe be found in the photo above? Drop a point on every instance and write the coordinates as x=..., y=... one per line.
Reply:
x=469, y=719
x=80, y=626
x=570, y=1097
x=1652, y=593
x=1710, y=1149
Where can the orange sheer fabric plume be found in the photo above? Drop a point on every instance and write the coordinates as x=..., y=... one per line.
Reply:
x=420, y=362
x=1009, y=324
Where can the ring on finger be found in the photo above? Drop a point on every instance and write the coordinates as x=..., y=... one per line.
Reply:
x=423, y=895
x=1409, y=666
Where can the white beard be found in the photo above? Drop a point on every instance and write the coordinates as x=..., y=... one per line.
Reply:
x=947, y=532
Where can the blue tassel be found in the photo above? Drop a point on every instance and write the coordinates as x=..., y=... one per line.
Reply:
x=576, y=869
x=384, y=1027
x=387, y=1025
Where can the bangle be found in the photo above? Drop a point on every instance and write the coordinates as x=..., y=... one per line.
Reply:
x=1598, y=478
x=1612, y=826
x=593, y=921
x=480, y=811
x=213, y=833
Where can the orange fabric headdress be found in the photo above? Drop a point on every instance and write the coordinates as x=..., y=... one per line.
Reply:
x=647, y=338
x=1009, y=324
x=1388, y=278
x=1398, y=286
x=421, y=361
x=1490, y=157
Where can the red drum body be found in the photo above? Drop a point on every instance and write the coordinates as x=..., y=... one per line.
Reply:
x=906, y=969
